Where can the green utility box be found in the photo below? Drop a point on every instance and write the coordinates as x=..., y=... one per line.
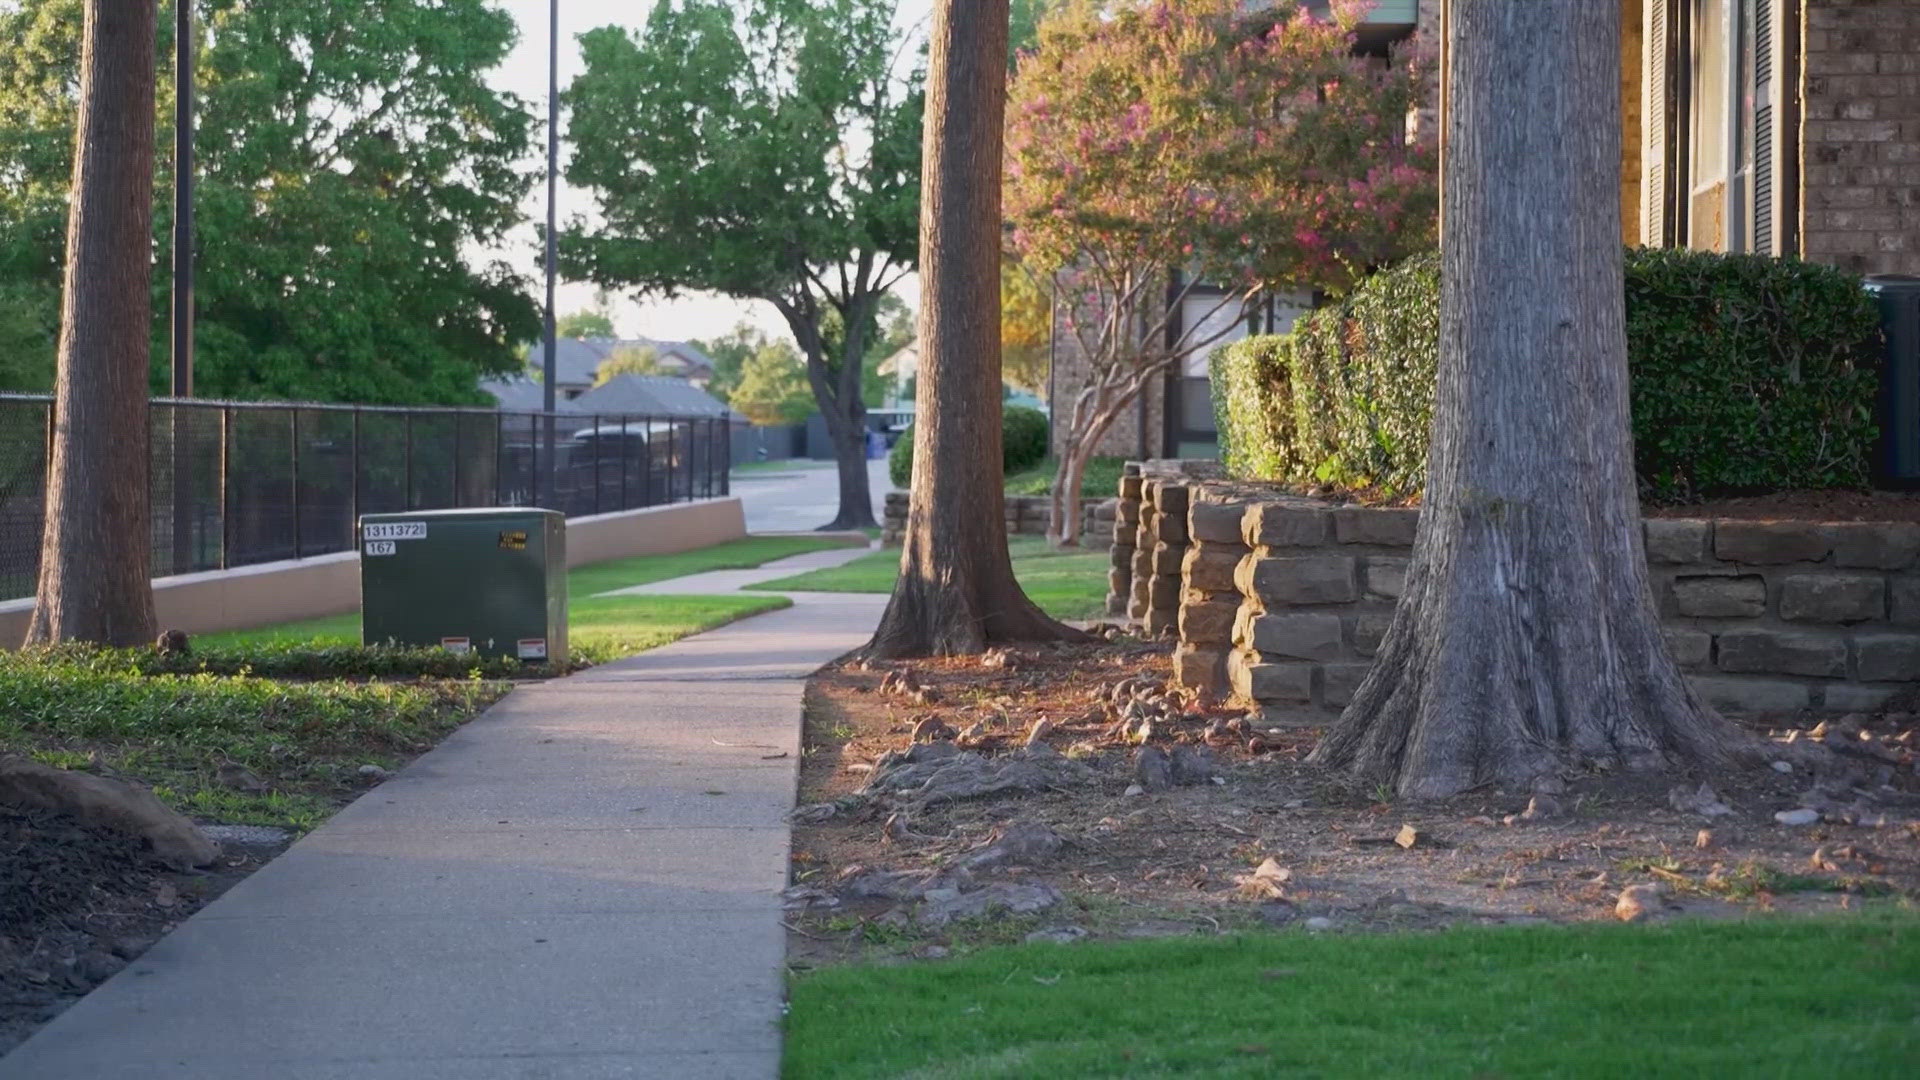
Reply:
x=489, y=581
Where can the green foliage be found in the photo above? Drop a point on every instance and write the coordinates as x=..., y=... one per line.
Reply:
x=1023, y=438
x=350, y=155
x=175, y=730
x=1748, y=374
x=900, y=460
x=767, y=150
x=1023, y=445
x=1101, y=479
x=628, y=360
x=593, y=323
x=773, y=386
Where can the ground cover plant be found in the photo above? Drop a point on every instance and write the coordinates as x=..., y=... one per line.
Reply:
x=1066, y=585
x=1101, y=480
x=1759, y=997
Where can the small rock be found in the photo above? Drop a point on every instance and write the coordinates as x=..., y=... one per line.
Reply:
x=933, y=952
x=373, y=772
x=1041, y=730
x=1059, y=935
x=932, y=729
x=97, y=967
x=1134, y=790
x=1783, y=766
x=1293, y=804
x=1542, y=807
x=1192, y=765
x=1151, y=769
x=238, y=777
x=1637, y=902
x=130, y=947
x=1319, y=923
x=1801, y=816
x=1702, y=800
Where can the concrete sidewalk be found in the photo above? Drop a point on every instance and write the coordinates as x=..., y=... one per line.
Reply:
x=582, y=883
x=714, y=582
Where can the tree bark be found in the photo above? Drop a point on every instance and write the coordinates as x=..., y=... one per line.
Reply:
x=1526, y=641
x=95, y=560
x=956, y=592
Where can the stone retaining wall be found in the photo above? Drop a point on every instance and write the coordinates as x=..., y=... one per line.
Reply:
x=1282, y=601
x=1144, y=547
x=1027, y=515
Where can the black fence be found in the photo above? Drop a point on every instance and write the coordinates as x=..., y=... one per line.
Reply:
x=238, y=483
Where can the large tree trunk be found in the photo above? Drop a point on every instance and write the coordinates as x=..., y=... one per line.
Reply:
x=956, y=592
x=95, y=562
x=849, y=434
x=1526, y=641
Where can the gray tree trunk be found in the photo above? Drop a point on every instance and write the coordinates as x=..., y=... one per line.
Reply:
x=95, y=559
x=956, y=592
x=1526, y=641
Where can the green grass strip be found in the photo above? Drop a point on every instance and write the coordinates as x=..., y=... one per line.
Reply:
x=1066, y=584
x=1765, y=997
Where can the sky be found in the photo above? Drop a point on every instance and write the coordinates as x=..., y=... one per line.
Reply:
x=525, y=74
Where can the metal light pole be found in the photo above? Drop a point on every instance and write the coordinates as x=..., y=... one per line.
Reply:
x=547, y=333
x=181, y=385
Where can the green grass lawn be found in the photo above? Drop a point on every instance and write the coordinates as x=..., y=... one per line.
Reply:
x=1764, y=997
x=1100, y=481
x=749, y=469
x=1066, y=584
x=599, y=627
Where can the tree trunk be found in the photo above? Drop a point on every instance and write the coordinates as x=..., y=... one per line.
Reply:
x=95, y=559
x=1526, y=641
x=956, y=592
x=849, y=435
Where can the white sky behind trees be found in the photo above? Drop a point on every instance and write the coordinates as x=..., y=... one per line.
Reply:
x=525, y=74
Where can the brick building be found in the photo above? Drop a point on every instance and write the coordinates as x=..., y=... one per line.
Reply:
x=1782, y=127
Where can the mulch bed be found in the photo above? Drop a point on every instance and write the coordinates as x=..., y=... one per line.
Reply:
x=77, y=903
x=1182, y=859
x=1804, y=505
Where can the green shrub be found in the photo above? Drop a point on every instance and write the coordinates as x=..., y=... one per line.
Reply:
x=1023, y=444
x=1748, y=374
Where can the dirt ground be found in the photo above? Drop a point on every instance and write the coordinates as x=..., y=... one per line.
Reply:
x=78, y=903
x=1808, y=505
x=1265, y=840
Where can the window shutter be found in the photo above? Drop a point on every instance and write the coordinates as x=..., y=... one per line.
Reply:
x=1656, y=92
x=1772, y=139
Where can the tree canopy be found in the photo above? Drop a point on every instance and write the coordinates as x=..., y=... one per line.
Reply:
x=350, y=156
x=766, y=150
x=773, y=385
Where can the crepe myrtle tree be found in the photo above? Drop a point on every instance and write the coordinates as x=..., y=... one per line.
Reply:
x=1157, y=147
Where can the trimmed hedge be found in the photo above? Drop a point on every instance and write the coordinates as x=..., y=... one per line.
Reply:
x=1748, y=374
x=1023, y=444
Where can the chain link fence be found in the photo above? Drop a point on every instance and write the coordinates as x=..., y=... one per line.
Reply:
x=238, y=483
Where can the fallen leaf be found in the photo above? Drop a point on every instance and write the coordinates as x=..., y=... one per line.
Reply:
x=1407, y=836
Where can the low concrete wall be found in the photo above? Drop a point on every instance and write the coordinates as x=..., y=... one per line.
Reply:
x=1282, y=601
x=277, y=592
x=656, y=530
x=1027, y=515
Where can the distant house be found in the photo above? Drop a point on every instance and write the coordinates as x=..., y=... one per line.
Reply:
x=622, y=395
x=579, y=359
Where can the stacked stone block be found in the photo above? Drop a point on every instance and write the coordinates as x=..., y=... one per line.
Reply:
x=1160, y=547
x=1126, y=527
x=1317, y=590
x=1209, y=598
x=1781, y=617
